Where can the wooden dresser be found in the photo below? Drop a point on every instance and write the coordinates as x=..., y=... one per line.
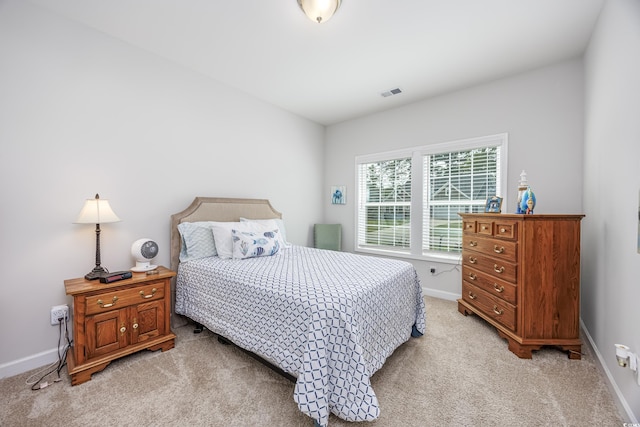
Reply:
x=521, y=273
x=116, y=319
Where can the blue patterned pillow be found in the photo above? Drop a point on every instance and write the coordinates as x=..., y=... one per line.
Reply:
x=275, y=223
x=251, y=244
x=197, y=240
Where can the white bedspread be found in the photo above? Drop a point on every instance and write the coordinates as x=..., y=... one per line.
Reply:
x=329, y=318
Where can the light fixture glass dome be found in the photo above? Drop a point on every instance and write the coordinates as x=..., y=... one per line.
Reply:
x=319, y=10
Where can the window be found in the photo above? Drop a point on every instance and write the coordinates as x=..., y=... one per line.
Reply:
x=409, y=200
x=385, y=216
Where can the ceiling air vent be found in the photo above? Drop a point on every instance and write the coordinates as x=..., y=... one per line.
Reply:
x=391, y=92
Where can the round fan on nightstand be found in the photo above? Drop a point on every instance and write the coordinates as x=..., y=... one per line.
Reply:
x=144, y=250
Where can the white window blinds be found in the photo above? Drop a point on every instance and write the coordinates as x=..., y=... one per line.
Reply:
x=384, y=217
x=454, y=182
x=409, y=200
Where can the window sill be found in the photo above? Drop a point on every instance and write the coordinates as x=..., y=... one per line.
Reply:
x=440, y=258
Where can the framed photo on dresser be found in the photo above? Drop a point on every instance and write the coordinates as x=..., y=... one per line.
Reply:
x=494, y=205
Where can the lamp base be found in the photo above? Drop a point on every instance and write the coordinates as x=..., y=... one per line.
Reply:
x=96, y=273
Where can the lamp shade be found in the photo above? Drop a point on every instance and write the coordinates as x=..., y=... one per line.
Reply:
x=319, y=10
x=96, y=211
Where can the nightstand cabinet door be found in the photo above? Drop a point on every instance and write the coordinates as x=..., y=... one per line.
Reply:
x=147, y=321
x=103, y=333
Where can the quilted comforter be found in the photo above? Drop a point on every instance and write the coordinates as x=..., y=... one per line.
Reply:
x=328, y=318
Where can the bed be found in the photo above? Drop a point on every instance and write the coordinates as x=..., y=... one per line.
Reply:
x=327, y=319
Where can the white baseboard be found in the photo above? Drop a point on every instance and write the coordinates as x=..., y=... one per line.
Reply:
x=28, y=363
x=449, y=296
x=622, y=402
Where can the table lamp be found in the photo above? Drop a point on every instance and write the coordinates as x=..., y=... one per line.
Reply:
x=96, y=211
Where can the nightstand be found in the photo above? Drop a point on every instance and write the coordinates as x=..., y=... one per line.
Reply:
x=117, y=319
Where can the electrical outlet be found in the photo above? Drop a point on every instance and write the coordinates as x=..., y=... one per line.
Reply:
x=59, y=312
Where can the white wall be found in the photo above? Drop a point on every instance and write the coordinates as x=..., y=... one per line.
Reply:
x=542, y=111
x=82, y=113
x=610, y=284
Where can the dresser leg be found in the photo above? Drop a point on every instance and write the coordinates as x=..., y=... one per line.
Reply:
x=462, y=309
x=520, y=350
x=575, y=351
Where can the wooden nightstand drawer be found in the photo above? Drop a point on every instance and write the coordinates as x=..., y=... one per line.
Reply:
x=124, y=297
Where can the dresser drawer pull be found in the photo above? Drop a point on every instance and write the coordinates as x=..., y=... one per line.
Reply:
x=153, y=292
x=103, y=305
x=496, y=311
x=135, y=323
x=472, y=243
x=123, y=329
x=498, y=289
x=497, y=249
x=472, y=276
x=498, y=269
x=472, y=296
x=473, y=260
x=503, y=230
x=484, y=227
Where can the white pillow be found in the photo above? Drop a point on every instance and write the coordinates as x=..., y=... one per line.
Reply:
x=251, y=244
x=197, y=240
x=273, y=224
x=222, y=235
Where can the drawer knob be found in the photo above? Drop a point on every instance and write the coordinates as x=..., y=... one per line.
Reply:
x=484, y=227
x=498, y=289
x=153, y=292
x=472, y=296
x=103, y=305
x=472, y=243
x=135, y=323
x=473, y=260
x=498, y=269
x=498, y=249
x=497, y=311
x=123, y=329
x=472, y=276
x=503, y=230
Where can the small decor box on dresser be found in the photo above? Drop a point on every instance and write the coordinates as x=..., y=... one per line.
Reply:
x=116, y=319
x=521, y=273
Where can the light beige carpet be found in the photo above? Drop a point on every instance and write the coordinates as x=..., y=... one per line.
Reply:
x=459, y=373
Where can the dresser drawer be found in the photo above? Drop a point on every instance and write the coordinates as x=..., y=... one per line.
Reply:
x=495, y=267
x=491, y=227
x=124, y=297
x=506, y=229
x=499, y=288
x=497, y=248
x=496, y=308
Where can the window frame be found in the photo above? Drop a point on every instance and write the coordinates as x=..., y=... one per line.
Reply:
x=418, y=199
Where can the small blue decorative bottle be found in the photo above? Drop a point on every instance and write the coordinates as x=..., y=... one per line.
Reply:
x=528, y=201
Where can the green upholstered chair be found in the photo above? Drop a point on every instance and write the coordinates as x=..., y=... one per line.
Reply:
x=327, y=236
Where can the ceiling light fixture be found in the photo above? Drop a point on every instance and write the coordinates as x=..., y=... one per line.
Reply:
x=319, y=10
